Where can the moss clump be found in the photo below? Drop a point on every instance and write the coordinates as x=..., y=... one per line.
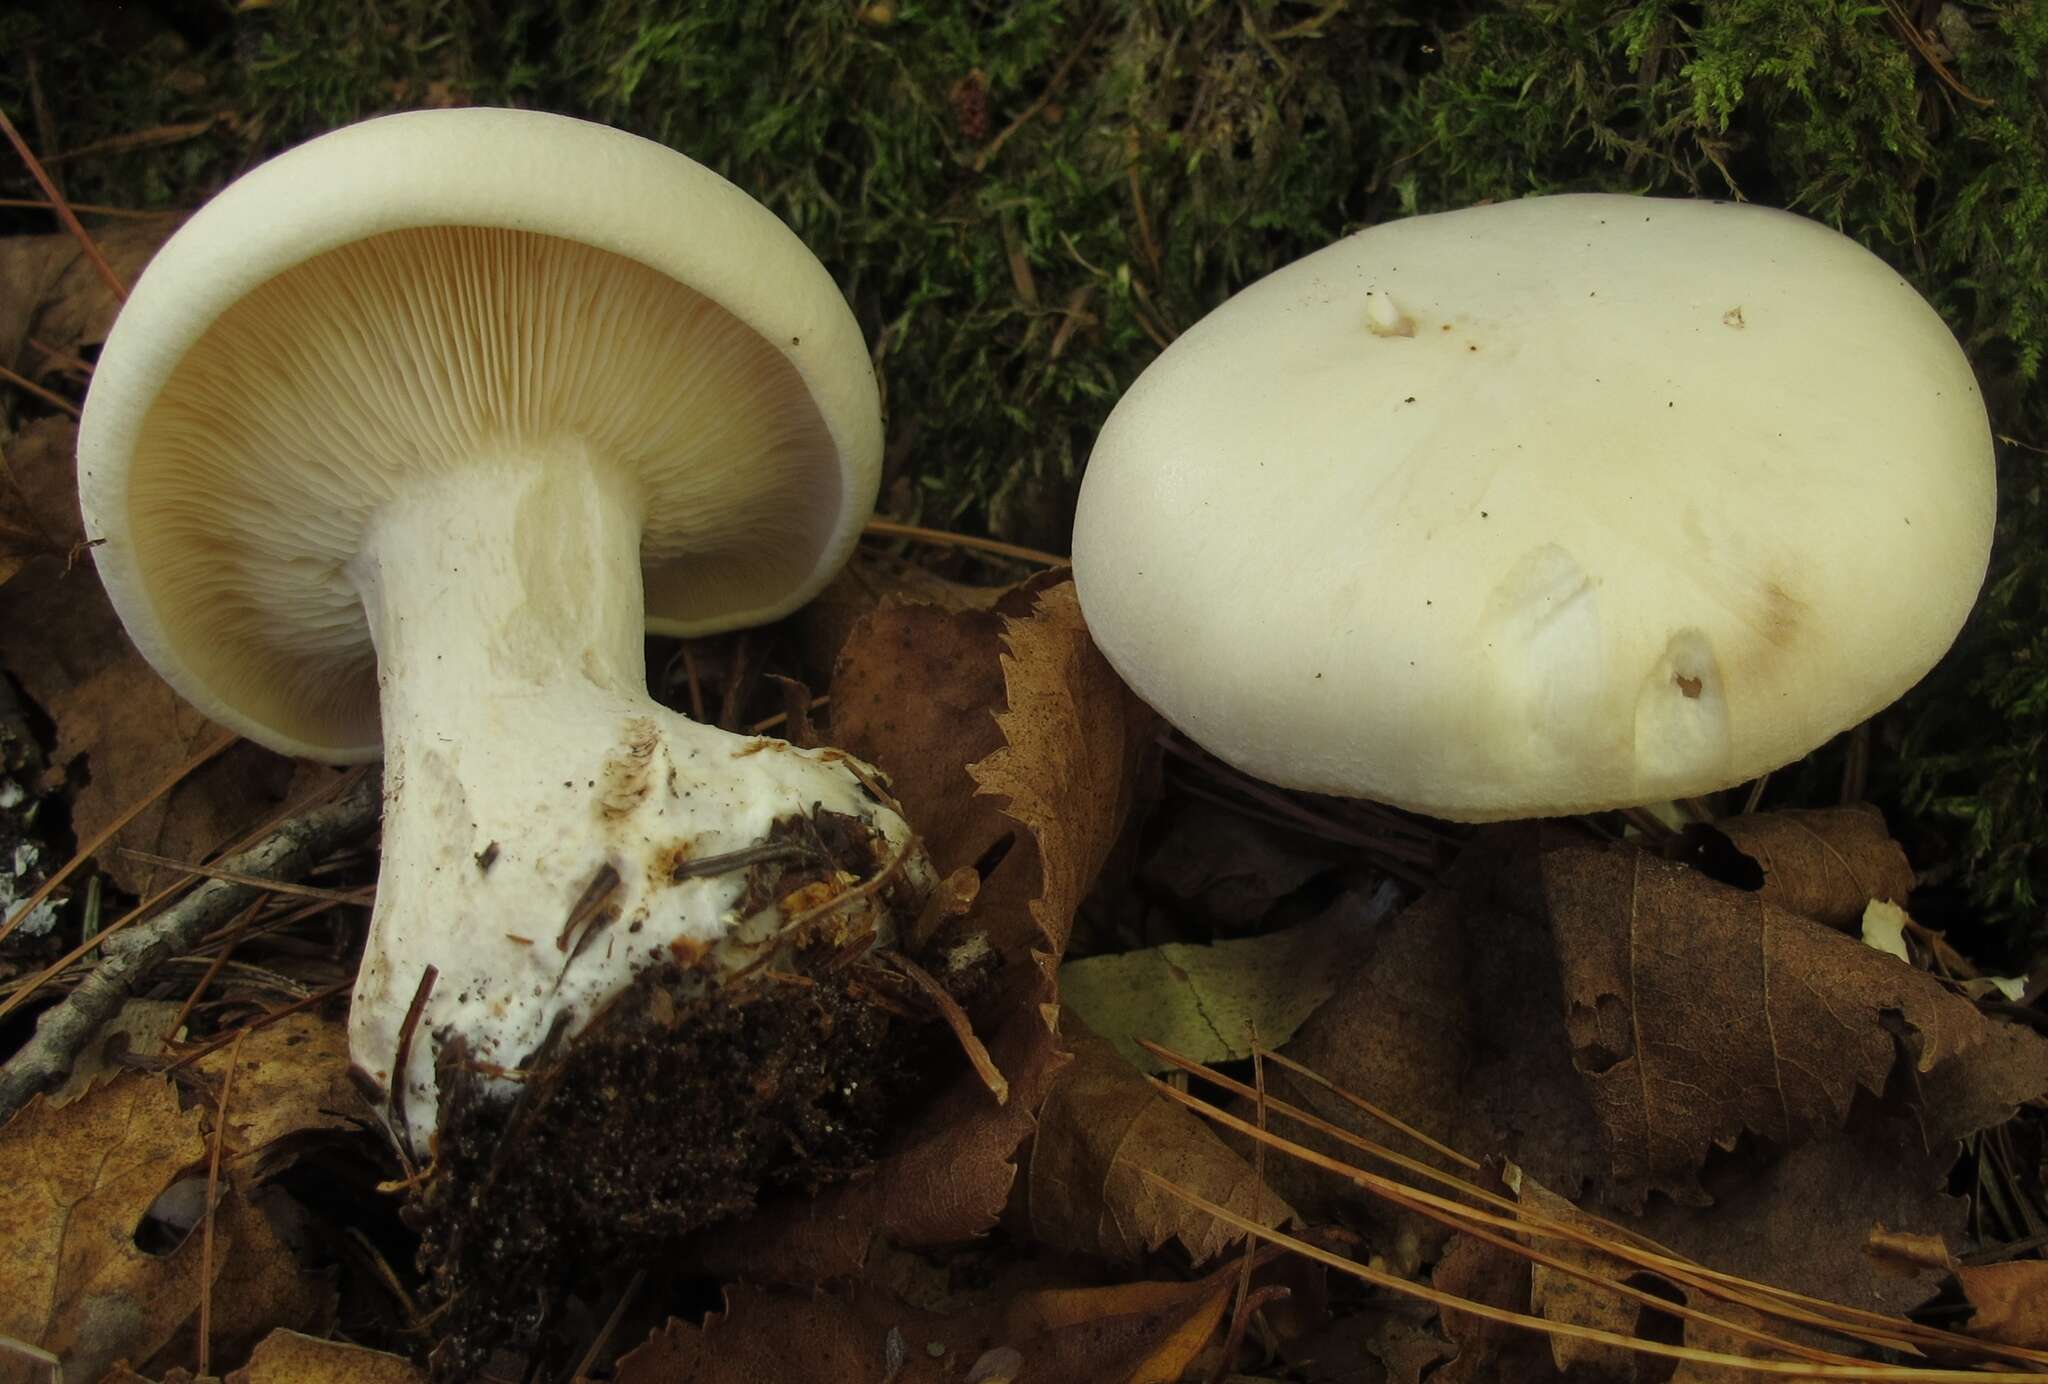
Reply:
x=1024, y=202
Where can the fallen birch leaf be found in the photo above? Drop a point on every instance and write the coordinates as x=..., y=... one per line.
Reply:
x=51, y=291
x=1204, y=1002
x=1903, y=1252
x=291, y=1079
x=1226, y=868
x=1699, y=1013
x=259, y=1285
x=1799, y=1218
x=38, y=498
x=121, y=730
x=79, y=1180
x=1489, y=1352
x=869, y=579
x=287, y=1357
x=1133, y=1333
x=138, y=1030
x=1824, y=864
x=1102, y=1127
x=1012, y=746
x=1558, y=1296
x=1453, y=1022
x=2011, y=1301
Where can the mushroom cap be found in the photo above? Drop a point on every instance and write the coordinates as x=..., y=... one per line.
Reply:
x=1552, y=506
x=447, y=288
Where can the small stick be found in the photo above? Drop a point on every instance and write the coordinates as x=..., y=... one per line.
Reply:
x=268, y=886
x=68, y=1026
x=227, y=951
x=261, y=1021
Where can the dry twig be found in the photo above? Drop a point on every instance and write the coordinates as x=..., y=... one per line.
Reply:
x=63, y=1032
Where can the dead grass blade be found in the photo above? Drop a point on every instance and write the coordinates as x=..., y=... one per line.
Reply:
x=1495, y=1229
x=1794, y=1369
x=220, y=1131
x=889, y=528
x=1872, y=1328
x=268, y=886
x=1360, y=1103
x=29, y=386
x=26, y=988
x=155, y=137
x=89, y=208
x=963, y=1029
x=63, y=209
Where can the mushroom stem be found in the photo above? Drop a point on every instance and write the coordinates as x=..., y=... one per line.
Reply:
x=538, y=802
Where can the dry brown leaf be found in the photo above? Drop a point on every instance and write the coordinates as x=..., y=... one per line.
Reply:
x=79, y=1181
x=1799, y=1218
x=120, y=728
x=291, y=1078
x=2011, y=1301
x=1103, y=1124
x=1455, y=1022
x=1489, y=1352
x=1452, y=1022
x=138, y=1030
x=1227, y=868
x=259, y=1285
x=1021, y=760
x=1392, y=1344
x=286, y=1357
x=1699, y=1013
x=868, y=580
x=1824, y=864
x=51, y=291
x=1066, y=767
x=1134, y=1333
x=29, y=264
x=1561, y=1297
x=38, y=499
x=1903, y=1252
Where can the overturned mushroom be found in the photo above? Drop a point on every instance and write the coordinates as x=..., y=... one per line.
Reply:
x=405, y=439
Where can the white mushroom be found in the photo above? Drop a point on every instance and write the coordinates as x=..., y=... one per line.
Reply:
x=1553, y=506
x=420, y=426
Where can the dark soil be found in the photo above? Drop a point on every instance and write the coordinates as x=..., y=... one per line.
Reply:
x=675, y=1111
x=682, y=1105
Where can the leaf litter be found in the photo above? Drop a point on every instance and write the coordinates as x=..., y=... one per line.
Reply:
x=1683, y=1053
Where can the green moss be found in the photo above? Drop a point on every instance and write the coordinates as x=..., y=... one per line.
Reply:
x=1024, y=200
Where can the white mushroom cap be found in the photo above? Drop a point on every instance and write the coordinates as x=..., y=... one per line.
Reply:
x=1552, y=506
x=394, y=298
